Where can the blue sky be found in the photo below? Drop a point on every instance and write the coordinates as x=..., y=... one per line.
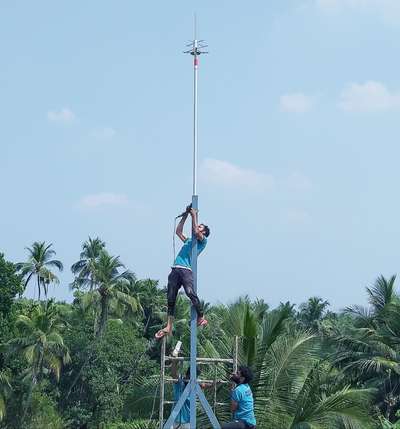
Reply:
x=299, y=120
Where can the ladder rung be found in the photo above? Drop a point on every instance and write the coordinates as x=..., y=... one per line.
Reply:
x=175, y=380
x=200, y=360
x=173, y=402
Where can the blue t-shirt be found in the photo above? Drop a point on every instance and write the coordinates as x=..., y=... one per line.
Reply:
x=184, y=413
x=185, y=254
x=243, y=395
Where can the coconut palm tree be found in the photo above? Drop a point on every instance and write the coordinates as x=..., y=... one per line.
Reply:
x=39, y=265
x=82, y=269
x=367, y=350
x=381, y=295
x=5, y=389
x=296, y=389
x=312, y=312
x=40, y=342
x=293, y=386
x=152, y=301
x=111, y=290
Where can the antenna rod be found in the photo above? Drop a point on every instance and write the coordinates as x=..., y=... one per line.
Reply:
x=195, y=136
x=196, y=50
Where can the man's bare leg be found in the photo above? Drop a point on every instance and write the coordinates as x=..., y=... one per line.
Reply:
x=170, y=323
x=167, y=330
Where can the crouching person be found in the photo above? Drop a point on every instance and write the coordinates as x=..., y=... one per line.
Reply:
x=242, y=404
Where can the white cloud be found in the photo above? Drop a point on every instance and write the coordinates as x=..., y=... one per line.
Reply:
x=106, y=133
x=296, y=103
x=103, y=199
x=368, y=97
x=224, y=173
x=64, y=115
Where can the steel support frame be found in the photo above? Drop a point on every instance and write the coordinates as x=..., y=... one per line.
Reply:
x=178, y=405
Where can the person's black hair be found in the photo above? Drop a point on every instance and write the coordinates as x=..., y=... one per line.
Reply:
x=187, y=375
x=206, y=230
x=246, y=373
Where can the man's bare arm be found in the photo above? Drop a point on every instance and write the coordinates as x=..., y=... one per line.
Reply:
x=179, y=228
x=195, y=226
x=234, y=406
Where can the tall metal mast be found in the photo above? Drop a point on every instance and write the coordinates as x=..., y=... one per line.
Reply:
x=197, y=47
x=193, y=389
x=195, y=51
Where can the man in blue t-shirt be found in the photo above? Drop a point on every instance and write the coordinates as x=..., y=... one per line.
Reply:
x=242, y=404
x=181, y=272
x=182, y=420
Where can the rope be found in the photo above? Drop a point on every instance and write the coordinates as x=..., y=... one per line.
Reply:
x=173, y=240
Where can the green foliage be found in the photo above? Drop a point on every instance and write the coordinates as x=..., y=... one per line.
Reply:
x=39, y=340
x=10, y=286
x=312, y=313
x=44, y=413
x=5, y=389
x=107, y=382
x=94, y=363
x=111, y=290
x=39, y=265
x=386, y=424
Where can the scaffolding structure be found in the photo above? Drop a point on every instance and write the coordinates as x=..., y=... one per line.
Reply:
x=214, y=382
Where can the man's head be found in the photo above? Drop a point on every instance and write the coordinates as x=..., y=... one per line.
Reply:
x=204, y=229
x=243, y=376
x=187, y=375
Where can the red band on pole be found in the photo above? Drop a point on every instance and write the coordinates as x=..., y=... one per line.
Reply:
x=196, y=61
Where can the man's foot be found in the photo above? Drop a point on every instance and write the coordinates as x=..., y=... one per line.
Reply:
x=162, y=333
x=202, y=322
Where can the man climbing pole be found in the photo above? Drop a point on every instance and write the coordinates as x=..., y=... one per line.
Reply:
x=181, y=272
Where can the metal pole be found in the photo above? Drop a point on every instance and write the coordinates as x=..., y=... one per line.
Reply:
x=215, y=387
x=195, y=145
x=195, y=205
x=195, y=390
x=162, y=380
x=193, y=329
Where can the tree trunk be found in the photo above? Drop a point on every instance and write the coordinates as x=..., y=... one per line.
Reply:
x=45, y=290
x=38, y=284
x=29, y=398
x=103, y=315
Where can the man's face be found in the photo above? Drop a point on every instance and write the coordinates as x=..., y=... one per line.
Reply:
x=237, y=377
x=202, y=228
